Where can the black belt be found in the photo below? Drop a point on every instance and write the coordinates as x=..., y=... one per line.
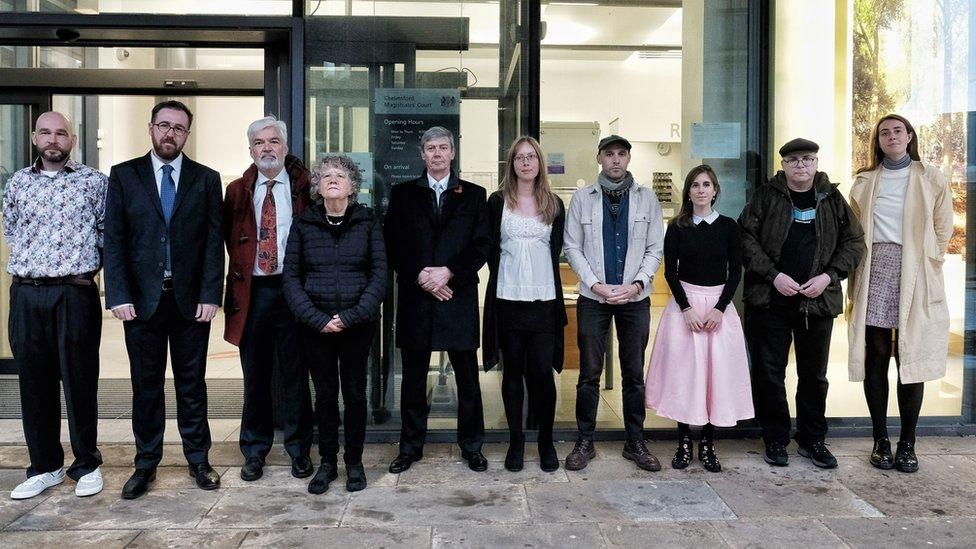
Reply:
x=167, y=283
x=86, y=279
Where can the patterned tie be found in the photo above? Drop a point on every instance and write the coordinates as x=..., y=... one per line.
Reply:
x=268, y=236
x=167, y=196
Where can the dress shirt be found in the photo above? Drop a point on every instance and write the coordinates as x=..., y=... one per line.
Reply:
x=710, y=218
x=282, y=197
x=54, y=225
x=438, y=185
x=157, y=164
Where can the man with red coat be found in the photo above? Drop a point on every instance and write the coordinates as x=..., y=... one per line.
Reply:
x=258, y=210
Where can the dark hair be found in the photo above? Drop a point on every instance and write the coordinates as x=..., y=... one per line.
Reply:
x=176, y=106
x=684, y=217
x=876, y=153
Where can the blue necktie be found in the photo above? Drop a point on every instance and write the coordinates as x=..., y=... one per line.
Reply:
x=167, y=195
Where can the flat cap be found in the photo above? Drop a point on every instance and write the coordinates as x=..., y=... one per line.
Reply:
x=610, y=140
x=798, y=145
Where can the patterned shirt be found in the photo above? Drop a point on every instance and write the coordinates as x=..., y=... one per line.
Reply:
x=54, y=225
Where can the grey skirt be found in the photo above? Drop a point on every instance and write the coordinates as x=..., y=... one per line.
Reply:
x=884, y=285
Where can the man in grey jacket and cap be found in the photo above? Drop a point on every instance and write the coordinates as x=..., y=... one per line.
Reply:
x=614, y=240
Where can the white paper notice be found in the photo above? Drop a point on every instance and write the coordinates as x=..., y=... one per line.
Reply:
x=716, y=140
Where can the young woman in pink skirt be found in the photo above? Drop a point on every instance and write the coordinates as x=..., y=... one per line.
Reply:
x=699, y=372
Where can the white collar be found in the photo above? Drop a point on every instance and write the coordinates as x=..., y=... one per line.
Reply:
x=282, y=177
x=441, y=182
x=157, y=162
x=709, y=219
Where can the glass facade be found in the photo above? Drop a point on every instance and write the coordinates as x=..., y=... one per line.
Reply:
x=723, y=82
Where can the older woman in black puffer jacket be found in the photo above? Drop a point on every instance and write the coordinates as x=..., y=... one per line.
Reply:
x=334, y=282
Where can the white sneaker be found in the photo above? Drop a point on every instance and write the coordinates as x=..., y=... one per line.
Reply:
x=37, y=484
x=90, y=484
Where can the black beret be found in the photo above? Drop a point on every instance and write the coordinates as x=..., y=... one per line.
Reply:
x=610, y=140
x=798, y=145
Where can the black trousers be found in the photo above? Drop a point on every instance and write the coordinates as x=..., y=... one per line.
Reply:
x=528, y=356
x=339, y=361
x=414, y=406
x=146, y=341
x=54, y=333
x=271, y=340
x=770, y=332
x=633, y=321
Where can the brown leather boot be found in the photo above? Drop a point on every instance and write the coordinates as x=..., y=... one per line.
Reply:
x=637, y=452
x=581, y=455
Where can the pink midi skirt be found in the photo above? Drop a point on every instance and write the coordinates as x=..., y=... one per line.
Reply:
x=699, y=377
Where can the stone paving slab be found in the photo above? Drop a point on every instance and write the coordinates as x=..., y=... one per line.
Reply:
x=276, y=476
x=190, y=539
x=401, y=537
x=11, y=510
x=275, y=508
x=457, y=473
x=905, y=532
x=777, y=533
x=423, y=506
x=582, y=535
x=625, y=501
x=100, y=539
x=663, y=534
x=158, y=509
x=756, y=497
x=167, y=478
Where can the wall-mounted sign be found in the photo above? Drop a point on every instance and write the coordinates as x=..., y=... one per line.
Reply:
x=716, y=140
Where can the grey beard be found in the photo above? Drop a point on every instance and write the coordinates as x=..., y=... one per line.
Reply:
x=269, y=165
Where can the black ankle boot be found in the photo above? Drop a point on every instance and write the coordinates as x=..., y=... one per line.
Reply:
x=707, y=457
x=905, y=459
x=684, y=454
x=515, y=457
x=881, y=455
x=548, y=459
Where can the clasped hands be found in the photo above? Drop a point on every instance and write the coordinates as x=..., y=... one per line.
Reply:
x=434, y=281
x=785, y=285
x=616, y=294
x=333, y=326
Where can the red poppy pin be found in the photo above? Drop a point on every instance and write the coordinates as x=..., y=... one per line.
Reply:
x=458, y=189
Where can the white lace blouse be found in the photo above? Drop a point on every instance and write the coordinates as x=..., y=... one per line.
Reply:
x=525, y=264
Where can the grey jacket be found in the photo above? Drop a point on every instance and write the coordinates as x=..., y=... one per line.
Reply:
x=583, y=238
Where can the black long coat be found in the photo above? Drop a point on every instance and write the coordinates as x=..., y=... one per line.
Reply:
x=490, y=345
x=136, y=233
x=457, y=238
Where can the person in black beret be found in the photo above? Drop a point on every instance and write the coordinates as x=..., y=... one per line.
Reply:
x=799, y=240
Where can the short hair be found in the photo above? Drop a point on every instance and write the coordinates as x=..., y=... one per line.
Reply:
x=436, y=132
x=338, y=161
x=267, y=122
x=175, y=105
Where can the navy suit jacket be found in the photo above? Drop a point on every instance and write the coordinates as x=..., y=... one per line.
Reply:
x=136, y=236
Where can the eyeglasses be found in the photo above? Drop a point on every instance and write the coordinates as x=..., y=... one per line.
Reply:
x=165, y=127
x=531, y=157
x=795, y=162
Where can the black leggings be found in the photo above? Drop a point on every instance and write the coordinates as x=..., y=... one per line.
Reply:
x=528, y=356
x=878, y=351
x=707, y=432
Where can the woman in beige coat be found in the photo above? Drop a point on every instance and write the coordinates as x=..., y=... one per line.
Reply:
x=896, y=298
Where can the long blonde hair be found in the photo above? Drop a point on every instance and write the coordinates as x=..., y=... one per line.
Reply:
x=545, y=199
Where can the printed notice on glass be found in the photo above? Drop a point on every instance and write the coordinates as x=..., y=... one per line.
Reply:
x=716, y=140
x=555, y=163
x=401, y=116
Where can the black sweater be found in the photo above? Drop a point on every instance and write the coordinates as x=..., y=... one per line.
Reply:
x=703, y=255
x=327, y=273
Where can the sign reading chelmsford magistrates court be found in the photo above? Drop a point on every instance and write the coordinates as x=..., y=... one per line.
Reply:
x=401, y=117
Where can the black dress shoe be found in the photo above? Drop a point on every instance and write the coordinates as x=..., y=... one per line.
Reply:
x=301, y=467
x=355, y=477
x=515, y=457
x=206, y=477
x=138, y=483
x=403, y=462
x=881, y=455
x=323, y=478
x=905, y=459
x=252, y=470
x=476, y=460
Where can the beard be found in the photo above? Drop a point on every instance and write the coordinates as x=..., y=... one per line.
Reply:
x=169, y=153
x=55, y=155
x=270, y=164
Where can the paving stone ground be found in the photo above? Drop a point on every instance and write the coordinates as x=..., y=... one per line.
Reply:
x=440, y=503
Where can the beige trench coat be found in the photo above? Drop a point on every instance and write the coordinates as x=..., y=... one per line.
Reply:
x=923, y=324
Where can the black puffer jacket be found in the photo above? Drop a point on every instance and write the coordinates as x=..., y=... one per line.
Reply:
x=765, y=222
x=325, y=275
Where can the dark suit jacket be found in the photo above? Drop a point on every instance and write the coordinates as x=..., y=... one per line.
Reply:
x=136, y=232
x=490, y=329
x=240, y=236
x=417, y=237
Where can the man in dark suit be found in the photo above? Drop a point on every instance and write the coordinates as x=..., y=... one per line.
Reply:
x=258, y=211
x=163, y=268
x=436, y=239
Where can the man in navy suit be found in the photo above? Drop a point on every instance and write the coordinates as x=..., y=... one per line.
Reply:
x=164, y=264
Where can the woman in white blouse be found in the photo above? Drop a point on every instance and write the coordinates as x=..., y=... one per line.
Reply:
x=524, y=311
